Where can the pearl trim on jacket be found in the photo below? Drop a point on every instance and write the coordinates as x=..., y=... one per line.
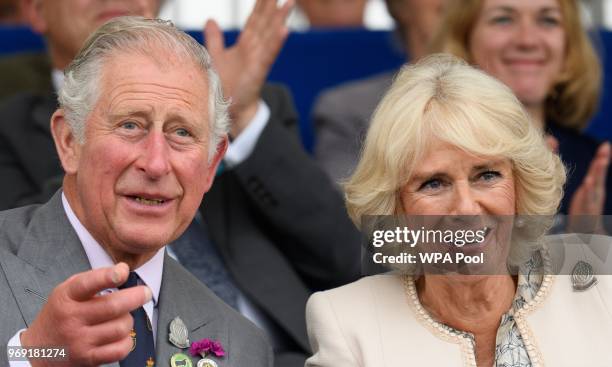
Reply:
x=467, y=350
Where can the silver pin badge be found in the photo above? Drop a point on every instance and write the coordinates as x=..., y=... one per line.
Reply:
x=583, y=277
x=207, y=362
x=178, y=333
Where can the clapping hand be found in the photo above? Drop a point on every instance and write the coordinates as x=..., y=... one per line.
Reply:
x=93, y=329
x=244, y=67
x=590, y=197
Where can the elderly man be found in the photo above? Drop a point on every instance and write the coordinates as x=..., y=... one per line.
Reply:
x=140, y=132
x=273, y=228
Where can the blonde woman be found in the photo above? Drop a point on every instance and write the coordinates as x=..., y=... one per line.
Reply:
x=450, y=140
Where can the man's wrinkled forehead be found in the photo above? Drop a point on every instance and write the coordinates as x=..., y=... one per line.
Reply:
x=166, y=55
x=133, y=76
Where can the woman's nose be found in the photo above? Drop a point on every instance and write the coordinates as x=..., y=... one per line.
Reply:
x=526, y=35
x=465, y=200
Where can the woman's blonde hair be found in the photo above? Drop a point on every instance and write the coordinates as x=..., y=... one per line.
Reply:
x=574, y=97
x=441, y=97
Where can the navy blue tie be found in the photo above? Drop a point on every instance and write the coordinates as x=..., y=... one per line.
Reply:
x=196, y=252
x=143, y=350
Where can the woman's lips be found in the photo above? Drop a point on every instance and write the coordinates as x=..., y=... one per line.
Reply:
x=525, y=64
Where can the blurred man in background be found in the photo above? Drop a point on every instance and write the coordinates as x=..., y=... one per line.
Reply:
x=65, y=26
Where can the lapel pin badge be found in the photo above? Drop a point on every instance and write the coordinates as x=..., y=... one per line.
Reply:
x=583, y=277
x=179, y=337
x=204, y=348
x=180, y=360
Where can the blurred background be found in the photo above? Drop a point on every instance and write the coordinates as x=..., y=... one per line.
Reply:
x=230, y=14
x=332, y=42
x=233, y=13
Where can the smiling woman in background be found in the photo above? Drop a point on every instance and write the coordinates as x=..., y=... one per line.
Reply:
x=541, y=51
x=450, y=140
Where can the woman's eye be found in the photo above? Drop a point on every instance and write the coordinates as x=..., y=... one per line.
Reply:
x=490, y=175
x=501, y=19
x=550, y=21
x=432, y=184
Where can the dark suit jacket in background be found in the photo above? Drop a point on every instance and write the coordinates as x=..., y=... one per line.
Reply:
x=39, y=249
x=341, y=118
x=277, y=220
x=25, y=72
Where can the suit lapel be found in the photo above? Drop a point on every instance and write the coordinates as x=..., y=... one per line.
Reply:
x=50, y=253
x=182, y=295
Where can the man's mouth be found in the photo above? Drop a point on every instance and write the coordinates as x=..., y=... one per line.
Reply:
x=147, y=201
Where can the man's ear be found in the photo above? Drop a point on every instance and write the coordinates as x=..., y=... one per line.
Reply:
x=68, y=148
x=215, y=161
x=33, y=9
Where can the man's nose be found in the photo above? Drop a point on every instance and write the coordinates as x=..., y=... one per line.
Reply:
x=155, y=157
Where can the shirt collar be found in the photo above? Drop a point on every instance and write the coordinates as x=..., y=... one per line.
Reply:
x=150, y=272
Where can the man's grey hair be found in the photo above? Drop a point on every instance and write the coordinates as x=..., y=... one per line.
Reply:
x=80, y=90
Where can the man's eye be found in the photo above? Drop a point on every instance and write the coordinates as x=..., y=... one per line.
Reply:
x=183, y=133
x=129, y=125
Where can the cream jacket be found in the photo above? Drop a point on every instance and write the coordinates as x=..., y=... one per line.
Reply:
x=378, y=322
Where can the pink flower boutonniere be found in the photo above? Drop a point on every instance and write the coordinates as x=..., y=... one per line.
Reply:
x=206, y=346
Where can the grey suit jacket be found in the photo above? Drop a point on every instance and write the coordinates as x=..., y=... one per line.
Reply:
x=39, y=249
x=341, y=118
